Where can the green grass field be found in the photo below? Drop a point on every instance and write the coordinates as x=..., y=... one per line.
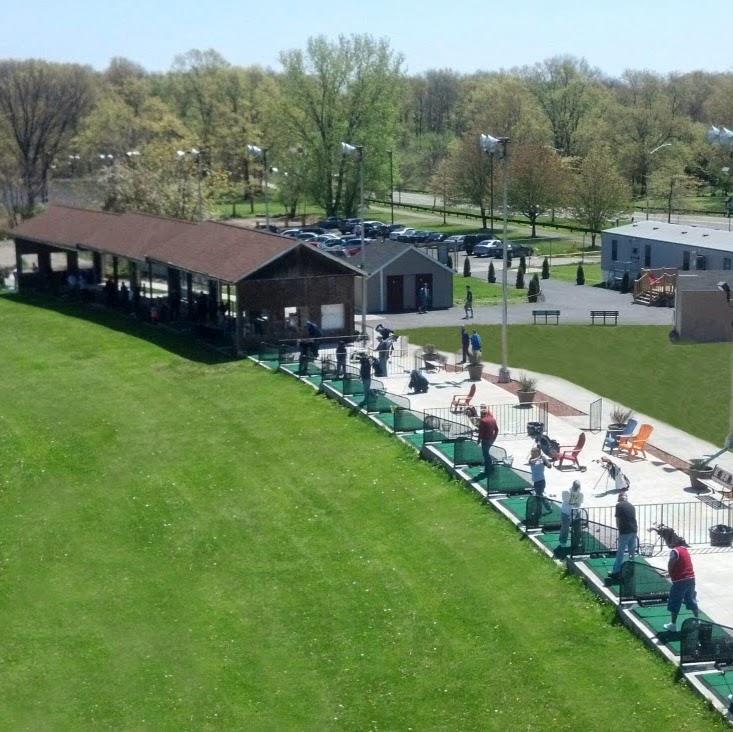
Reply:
x=189, y=543
x=685, y=384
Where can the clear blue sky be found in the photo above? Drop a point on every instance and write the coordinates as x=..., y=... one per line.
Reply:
x=466, y=36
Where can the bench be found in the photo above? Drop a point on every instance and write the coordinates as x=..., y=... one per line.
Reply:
x=605, y=315
x=546, y=314
x=721, y=481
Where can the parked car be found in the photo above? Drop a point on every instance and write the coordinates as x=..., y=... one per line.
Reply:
x=488, y=248
x=290, y=232
x=395, y=234
x=394, y=227
x=455, y=243
x=327, y=240
x=331, y=222
x=306, y=236
x=470, y=240
x=349, y=225
x=434, y=237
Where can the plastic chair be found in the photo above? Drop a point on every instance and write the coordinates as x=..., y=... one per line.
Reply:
x=463, y=400
x=570, y=452
x=635, y=444
x=611, y=441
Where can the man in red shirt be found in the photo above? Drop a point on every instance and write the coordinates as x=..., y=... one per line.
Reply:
x=487, y=433
x=682, y=575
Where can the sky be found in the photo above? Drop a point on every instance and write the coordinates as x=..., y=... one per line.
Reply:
x=466, y=36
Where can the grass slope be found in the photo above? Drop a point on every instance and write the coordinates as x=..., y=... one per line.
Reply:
x=685, y=384
x=188, y=544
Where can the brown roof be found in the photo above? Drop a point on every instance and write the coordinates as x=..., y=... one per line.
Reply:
x=217, y=250
x=222, y=251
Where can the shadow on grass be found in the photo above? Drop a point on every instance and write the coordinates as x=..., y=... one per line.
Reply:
x=183, y=344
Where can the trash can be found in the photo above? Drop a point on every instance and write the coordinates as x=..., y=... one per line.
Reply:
x=721, y=535
x=535, y=429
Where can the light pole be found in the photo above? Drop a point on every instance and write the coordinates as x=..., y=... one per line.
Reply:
x=358, y=150
x=391, y=186
x=261, y=152
x=497, y=146
x=196, y=154
x=646, y=176
x=724, y=137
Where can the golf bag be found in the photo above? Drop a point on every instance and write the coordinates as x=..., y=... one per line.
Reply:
x=621, y=482
x=418, y=382
x=549, y=447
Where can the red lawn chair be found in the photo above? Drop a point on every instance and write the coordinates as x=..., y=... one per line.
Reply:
x=570, y=453
x=462, y=400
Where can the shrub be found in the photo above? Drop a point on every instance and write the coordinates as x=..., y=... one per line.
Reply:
x=523, y=264
x=466, y=267
x=450, y=261
x=545, y=269
x=534, y=288
x=580, y=277
x=492, y=273
x=625, y=282
x=520, y=279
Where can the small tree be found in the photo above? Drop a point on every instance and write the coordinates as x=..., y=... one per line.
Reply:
x=520, y=278
x=625, y=282
x=523, y=264
x=533, y=290
x=492, y=273
x=509, y=260
x=545, y=269
x=466, y=267
x=450, y=261
x=580, y=276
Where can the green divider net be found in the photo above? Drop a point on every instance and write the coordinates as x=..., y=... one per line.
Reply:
x=721, y=685
x=655, y=616
x=407, y=421
x=641, y=582
x=503, y=479
x=702, y=641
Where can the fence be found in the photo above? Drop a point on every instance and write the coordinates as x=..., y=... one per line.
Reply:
x=512, y=419
x=596, y=534
x=595, y=414
x=702, y=641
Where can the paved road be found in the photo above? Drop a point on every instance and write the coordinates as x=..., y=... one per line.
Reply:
x=574, y=303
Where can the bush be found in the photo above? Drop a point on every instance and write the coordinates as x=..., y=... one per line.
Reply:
x=580, y=277
x=466, y=267
x=450, y=261
x=533, y=290
x=523, y=264
x=520, y=278
x=509, y=261
x=625, y=282
x=492, y=273
x=545, y=269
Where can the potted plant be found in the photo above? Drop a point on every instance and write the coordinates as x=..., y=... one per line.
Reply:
x=619, y=418
x=527, y=388
x=475, y=366
x=699, y=468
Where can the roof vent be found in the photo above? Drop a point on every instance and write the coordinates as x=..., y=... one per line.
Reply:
x=655, y=228
x=683, y=232
x=706, y=234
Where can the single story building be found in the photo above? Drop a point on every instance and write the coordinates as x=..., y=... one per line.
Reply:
x=654, y=245
x=702, y=306
x=395, y=274
x=195, y=271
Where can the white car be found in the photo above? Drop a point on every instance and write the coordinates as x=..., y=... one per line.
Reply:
x=487, y=248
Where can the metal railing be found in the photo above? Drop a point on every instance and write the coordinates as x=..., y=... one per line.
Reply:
x=596, y=534
x=511, y=419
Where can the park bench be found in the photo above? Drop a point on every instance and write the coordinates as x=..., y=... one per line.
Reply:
x=546, y=314
x=604, y=315
x=721, y=481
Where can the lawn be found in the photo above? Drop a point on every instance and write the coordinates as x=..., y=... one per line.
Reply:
x=485, y=293
x=189, y=543
x=569, y=273
x=685, y=384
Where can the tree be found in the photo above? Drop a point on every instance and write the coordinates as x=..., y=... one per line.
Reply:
x=41, y=104
x=466, y=267
x=580, y=275
x=520, y=278
x=347, y=91
x=470, y=173
x=491, y=273
x=598, y=192
x=533, y=290
x=537, y=182
x=625, y=282
x=440, y=186
x=672, y=183
x=545, y=269
x=523, y=263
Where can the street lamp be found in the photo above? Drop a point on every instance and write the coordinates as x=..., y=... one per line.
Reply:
x=646, y=177
x=497, y=146
x=358, y=151
x=391, y=186
x=194, y=153
x=724, y=137
x=261, y=152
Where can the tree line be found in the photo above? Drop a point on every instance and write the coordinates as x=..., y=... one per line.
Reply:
x=173, y=143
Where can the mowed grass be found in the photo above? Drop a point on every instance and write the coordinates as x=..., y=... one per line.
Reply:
x=195, y=544
x=685, y=384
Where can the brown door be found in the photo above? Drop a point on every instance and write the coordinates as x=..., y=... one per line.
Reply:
x=395, y=293
x=420, y=280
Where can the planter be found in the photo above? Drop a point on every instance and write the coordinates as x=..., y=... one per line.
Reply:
x=474, y=372
x=697, y=473
x=526, y=397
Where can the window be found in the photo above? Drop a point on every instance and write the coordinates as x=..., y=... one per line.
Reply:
x=647, y=255
x=614, y=250
x=685, y=261
x=332, y=317
x=726, y=262
x=701, y=262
